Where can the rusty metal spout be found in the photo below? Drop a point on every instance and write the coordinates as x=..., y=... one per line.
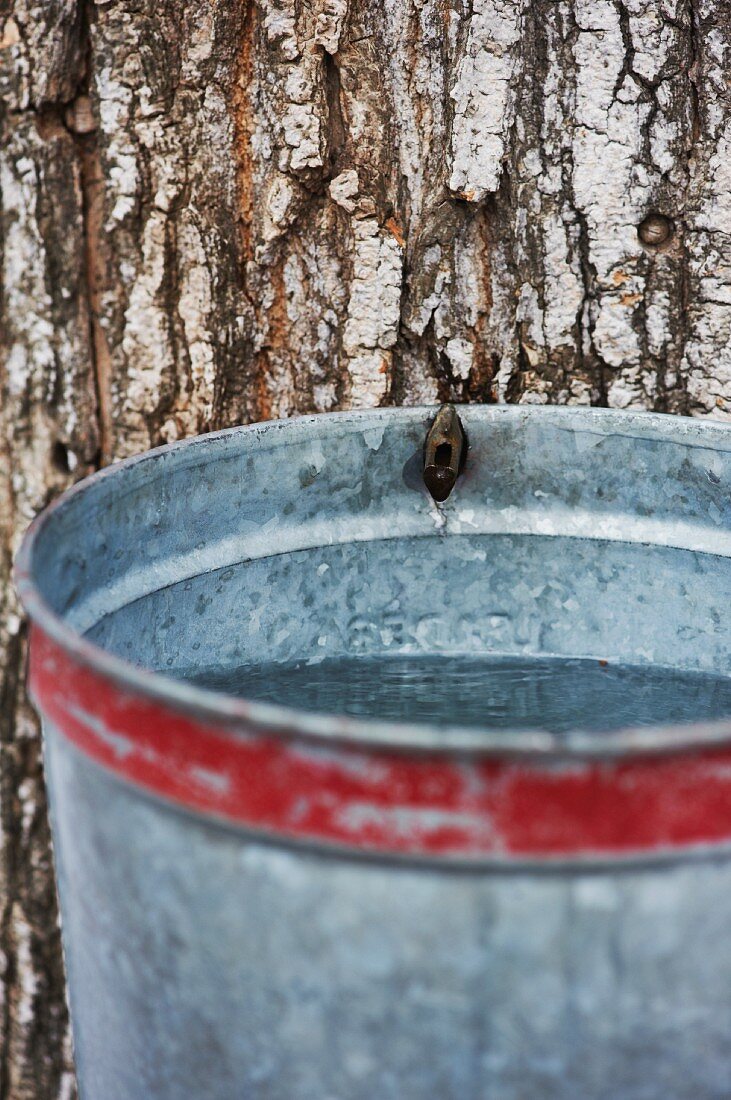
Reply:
x=444, y=453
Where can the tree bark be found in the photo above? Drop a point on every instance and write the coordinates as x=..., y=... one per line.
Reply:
x=217, y=212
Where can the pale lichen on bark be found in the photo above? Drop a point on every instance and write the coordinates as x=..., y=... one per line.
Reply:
x=707, y=353
x=484, y=96
x=374, y=307
x=216, y=213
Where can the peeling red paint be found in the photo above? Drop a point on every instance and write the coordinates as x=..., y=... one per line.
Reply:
x=380, y=801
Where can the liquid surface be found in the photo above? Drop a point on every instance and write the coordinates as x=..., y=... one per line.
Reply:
x=555, y=694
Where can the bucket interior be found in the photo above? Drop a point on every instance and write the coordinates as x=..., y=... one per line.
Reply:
x=576, y=578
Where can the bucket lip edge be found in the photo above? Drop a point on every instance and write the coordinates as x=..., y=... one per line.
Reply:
x=242, y=715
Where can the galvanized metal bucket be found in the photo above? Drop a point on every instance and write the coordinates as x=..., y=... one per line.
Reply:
x=267, y=903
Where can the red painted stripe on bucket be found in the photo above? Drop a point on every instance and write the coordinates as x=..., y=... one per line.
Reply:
x=380, y=801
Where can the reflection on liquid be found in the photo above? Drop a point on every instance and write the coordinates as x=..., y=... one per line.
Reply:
x=556, y=694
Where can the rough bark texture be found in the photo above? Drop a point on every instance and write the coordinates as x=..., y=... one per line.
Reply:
x=213, y=212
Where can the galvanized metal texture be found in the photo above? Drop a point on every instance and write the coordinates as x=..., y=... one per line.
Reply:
x=267, y=903
x=391, y=804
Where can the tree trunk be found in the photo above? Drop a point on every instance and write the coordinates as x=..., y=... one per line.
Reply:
x=216, y=212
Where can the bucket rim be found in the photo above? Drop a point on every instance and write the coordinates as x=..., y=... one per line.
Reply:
x=374, y=734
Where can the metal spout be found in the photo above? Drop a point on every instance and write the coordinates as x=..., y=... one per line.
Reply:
x=444, y=453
